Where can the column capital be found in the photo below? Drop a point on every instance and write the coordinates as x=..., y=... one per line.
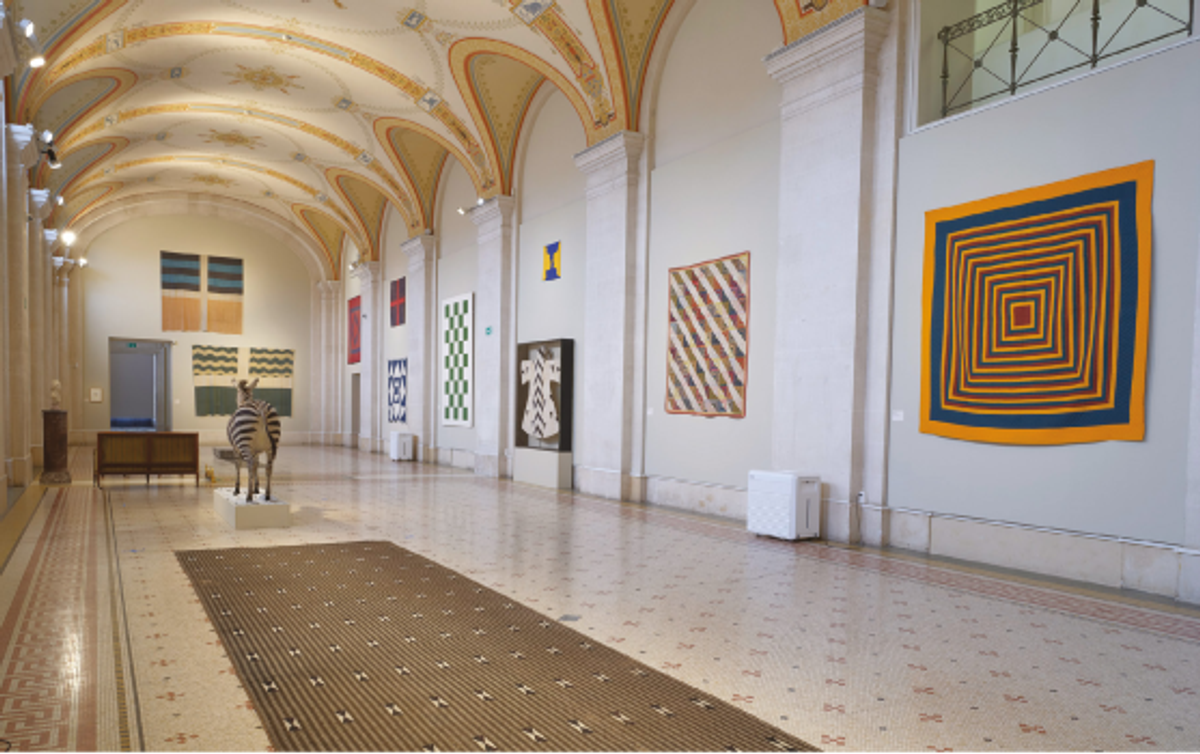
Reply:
x=616, y=155
x=367, y=273
x=499, y=208
x=51, y=236
x=329, y=289
x=419, y=250
x=23, y=152
x=63, y=268
x=39, y=203
x=830, y=62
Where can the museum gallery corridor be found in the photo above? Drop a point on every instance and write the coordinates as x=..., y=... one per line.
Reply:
x=106, y=645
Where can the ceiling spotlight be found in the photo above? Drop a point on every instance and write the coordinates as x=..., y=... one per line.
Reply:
x=47, y=136
x=37, y=61
x=68, y=237
x=52, y=159
x=462, y=211
x=480, y=202
x=83, y=261
x=58, y=200
x=26, y=27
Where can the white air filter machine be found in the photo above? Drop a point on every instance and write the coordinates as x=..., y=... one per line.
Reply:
x=784, y=505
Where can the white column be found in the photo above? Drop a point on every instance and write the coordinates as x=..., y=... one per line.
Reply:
x=605, y=455
x=39, y=386
x=421, y=293
x=1189, y=573
x=22, y=154
x=73, y=387
x=5, y=47
x=328, y=364
x=838, y=130
x=370, y=277
x=494, y=324
x=64, y=266
x=50, y=264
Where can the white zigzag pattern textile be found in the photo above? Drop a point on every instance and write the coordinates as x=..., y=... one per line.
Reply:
x=541, y=415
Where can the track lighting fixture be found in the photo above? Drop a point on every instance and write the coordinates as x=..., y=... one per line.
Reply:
x=26, y=27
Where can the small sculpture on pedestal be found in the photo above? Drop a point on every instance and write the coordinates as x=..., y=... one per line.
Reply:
x=55, y=395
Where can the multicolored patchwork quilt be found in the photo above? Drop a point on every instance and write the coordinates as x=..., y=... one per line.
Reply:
x=1036, y=313
x=708, y=337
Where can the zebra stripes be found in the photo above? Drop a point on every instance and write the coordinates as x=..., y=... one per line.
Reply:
x=253, y=430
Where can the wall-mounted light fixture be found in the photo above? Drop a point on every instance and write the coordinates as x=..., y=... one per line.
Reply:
x=68, y=238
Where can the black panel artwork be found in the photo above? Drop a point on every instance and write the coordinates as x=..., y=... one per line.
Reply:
x=546, y=384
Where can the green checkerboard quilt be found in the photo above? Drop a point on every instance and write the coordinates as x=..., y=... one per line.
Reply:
x=458, y=355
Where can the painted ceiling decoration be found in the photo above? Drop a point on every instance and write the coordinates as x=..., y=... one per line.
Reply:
x=325, y=113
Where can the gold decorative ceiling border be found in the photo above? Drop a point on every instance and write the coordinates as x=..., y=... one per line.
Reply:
x=123, y=79
x=626, y=77
x=800, y=18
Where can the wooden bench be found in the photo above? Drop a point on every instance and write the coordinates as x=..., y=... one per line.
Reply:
x=161, y=453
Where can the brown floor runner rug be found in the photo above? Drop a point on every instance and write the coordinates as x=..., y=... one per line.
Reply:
x=365, y=646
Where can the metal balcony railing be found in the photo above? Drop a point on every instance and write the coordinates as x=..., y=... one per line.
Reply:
x=976, y=67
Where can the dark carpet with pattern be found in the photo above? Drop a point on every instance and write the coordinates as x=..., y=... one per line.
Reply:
x=365, y=646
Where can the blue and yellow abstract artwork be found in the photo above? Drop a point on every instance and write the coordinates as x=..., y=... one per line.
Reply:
x=552, y=262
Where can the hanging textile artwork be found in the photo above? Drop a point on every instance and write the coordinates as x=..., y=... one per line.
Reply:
x=180, y=291
x=224, y=298
x=355, y=323
x=546, y=389
x=275, y=369
x=214, y=368
x=397, y=391
x=552, y=262
x=708, y=337
x=399, y=299
x=1036, y=310
x=457, y=361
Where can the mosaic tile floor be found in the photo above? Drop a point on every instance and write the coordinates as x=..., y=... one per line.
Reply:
x=849, y=649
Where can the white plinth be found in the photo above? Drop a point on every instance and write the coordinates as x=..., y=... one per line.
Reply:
x=546, y=468
x=239, y=514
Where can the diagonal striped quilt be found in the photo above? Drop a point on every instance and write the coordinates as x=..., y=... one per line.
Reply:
x=214, y=368
x=708, y=337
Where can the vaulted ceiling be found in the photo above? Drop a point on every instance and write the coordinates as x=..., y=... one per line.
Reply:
x=325, y=113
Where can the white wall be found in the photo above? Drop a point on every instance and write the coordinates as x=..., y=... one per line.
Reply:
x=553, y=208
x=123, y=299
x=715, y=192
x=458, y=272
x=1146, y=110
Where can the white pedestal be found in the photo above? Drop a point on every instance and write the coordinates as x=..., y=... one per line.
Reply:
x=546, y=468
x=239, y=514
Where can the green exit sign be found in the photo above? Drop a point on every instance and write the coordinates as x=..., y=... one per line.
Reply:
x=133, y=345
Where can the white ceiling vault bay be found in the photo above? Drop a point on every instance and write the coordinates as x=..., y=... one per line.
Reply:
x=324, y=113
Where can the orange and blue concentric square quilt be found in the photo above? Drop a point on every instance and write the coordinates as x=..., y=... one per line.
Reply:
x=1036, y=310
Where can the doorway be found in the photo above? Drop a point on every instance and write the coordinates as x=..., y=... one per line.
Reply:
x=139, y=385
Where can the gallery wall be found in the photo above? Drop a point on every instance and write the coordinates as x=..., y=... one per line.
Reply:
x=553, y=209
x=457, y=274
x=714, y=192
x=1143, y=110
x=123, y=299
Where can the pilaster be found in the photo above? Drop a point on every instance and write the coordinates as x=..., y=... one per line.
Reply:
x=22, y=154
x=370, y=278
x=5, y=44
x=836, y=174
x=494, y=328
x=328, y=366
x=63, y=268
x=38, y=397
x=421, y=292
x=605, y=454
x=49, y=265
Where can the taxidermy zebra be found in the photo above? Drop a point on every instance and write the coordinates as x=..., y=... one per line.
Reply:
x=253, y=429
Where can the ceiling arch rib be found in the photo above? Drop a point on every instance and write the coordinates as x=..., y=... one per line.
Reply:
x=74, y=98
x=628, y=31
x=78, y=162
x=501, y=80
x=370, y=206
x=328, y=233
x=421, y=155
